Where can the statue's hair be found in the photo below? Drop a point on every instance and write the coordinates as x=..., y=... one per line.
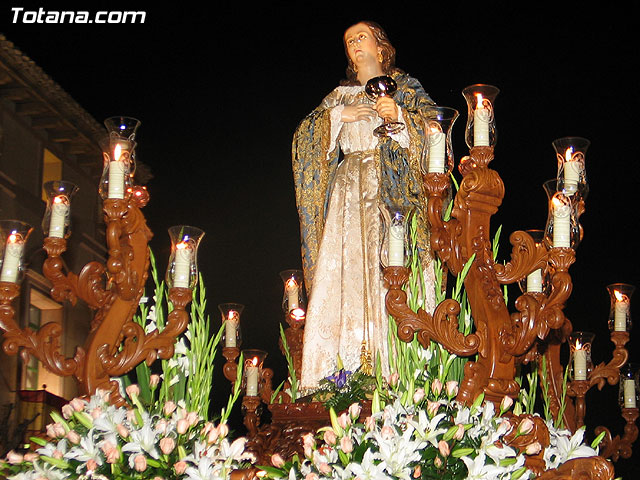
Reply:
x=387, y=50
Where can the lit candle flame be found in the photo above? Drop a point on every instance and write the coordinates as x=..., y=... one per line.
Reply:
x=479, y=100
x=117, y=152
x=58, y=199
x=568, y=154
x=182, y=245
x=254, y=361
x=13, y=238
x=232, y=315
x=298, y=314
x=620, y=297
x=578, y=345
x=291, y=283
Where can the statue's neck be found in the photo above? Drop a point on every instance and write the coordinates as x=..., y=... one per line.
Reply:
x=368, y=72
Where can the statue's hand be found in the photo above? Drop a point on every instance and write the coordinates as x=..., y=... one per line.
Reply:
x=355, y=113
x=387, y=108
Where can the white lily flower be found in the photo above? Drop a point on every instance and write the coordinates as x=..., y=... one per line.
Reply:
x=426, y=429
x=142, y=440
x=479, y=470
x=563, y=448
x=86, y=450
x=368, y=469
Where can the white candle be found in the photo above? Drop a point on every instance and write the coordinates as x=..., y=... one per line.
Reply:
x=116, y=179
x=629, y=389
x=59, y=210
x=182, y=267
x=580, y=363
x=11, y=264
x=561, y=223
x=252, y=377
x=292, y=294
x=572, y=172
x=534, y=281
x=231, y=327
x=437, y=143
x=480, y=123
x=396, y=246
x=620, y=312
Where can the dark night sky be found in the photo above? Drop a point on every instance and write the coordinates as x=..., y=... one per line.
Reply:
x=219, y=94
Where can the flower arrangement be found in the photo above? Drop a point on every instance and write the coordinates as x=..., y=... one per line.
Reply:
x=429, y=436
x=94, y=439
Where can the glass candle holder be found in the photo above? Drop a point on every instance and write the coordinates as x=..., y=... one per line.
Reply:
x=182, y=270
x=620, y=311
x=538, y=280
x=570, y=152
x=57, y=216
x=116, y=180
x=563, y=229
x=437, y=155
x=232, y=335
x=395, y=234
x=294, y=299
x=13, y=239
x=481, y=122
x=122, y=126
x=252, y=371
x=580, y=365
x=629, y=386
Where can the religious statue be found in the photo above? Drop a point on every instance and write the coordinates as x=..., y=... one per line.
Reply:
x=342, y=170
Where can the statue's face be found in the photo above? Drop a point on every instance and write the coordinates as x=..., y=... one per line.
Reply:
x=362, y=46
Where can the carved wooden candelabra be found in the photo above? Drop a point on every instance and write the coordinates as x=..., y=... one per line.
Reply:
x=115, y=344
x=538, y=328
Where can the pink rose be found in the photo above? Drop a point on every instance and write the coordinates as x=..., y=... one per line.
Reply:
x=459, y=435
x=111, y=452
x=14, y=458
x=167, y=444
x=344, y=420
x=370, y=423
x=96, y=412
x=506, y=403
x=432, y=408
x=192, y=418
x=533, y=448
x=418, y=395
x=73, y=437
x=31, y=456
x=67, y=411
x=180, y=467
x=308, y=440
x=346, y=445
x=324, y=468
x=133, y=390
x=277, y=461
x=436, y=387
x=223, y=430
x=91, y=465
x=451, y=388
x=140, y=463
x=182, y=426
x=169, y=408
x=393, y=379
x=312, y=476
x=213, y=435
x=330, y=437
x=154, y=380
x=417, y=472
x=387, y=432
x=443, y=448
x=77, y=404
x=526, y=425
x=122, y=430
x=354, y=411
